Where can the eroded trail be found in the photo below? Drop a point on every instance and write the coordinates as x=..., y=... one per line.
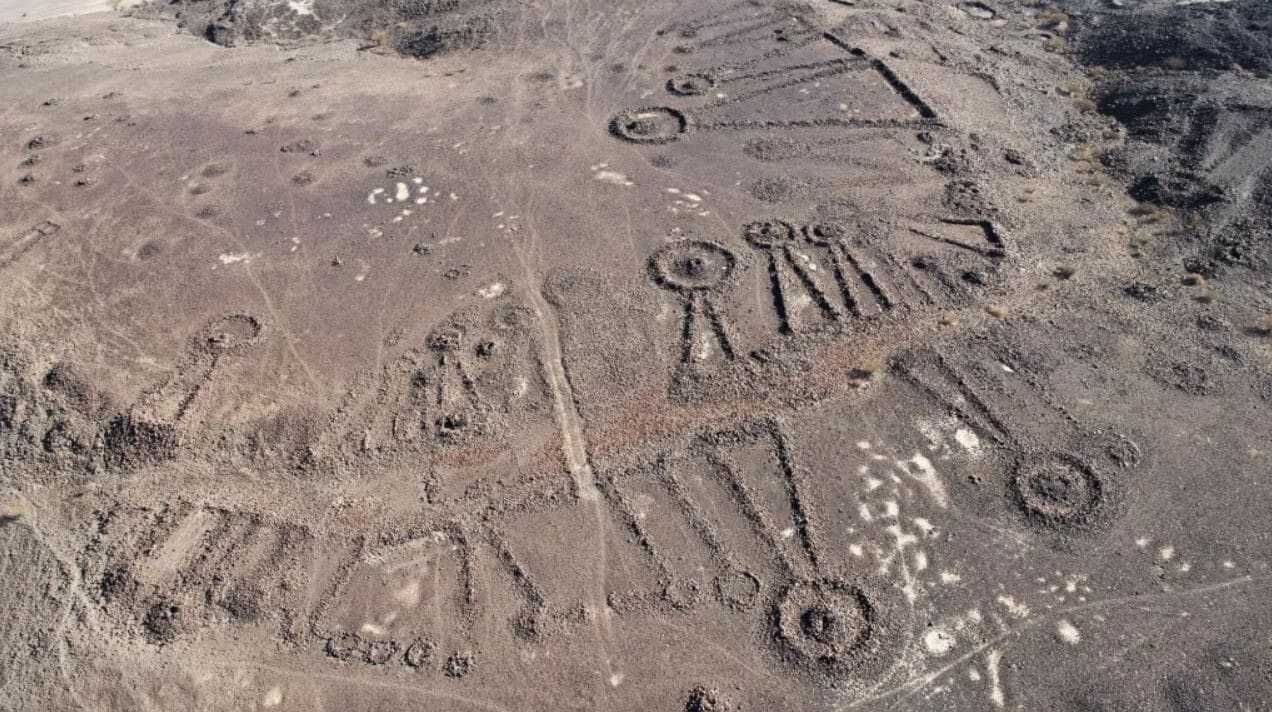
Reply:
x=574, y=444
x=573, y=440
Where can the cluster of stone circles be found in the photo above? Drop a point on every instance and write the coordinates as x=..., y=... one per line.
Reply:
x=418, y=655
x=691, y=84
x=827, y=625
x=1058, y=492
x=692, y=265
x=229, y=333
x=770, y=234
x=654, y=124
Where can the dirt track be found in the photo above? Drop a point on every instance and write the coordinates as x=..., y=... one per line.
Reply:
x=660, y=356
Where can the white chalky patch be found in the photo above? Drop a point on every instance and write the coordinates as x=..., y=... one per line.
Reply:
x=920, y=468
x=704, y=349
x=1018, y=610
x=903, y=537
x=932, y=433
x=690, y=202
x=613, y=178
x=949, y=577
x=409, y=595
x=1166, y=553
x=967, y=439
x=1068, y=633
x=938, y=642
x=492, y=291
x=273, y=698
x=403, y=192
x=995, y=685
x=229, y=258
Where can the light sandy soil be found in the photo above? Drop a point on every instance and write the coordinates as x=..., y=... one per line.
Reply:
x=28, y=10
x=621, y=356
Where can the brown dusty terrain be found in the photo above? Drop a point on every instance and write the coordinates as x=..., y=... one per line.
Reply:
x=569, y=355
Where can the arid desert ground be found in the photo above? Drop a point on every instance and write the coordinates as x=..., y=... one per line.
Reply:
x=451, y=355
